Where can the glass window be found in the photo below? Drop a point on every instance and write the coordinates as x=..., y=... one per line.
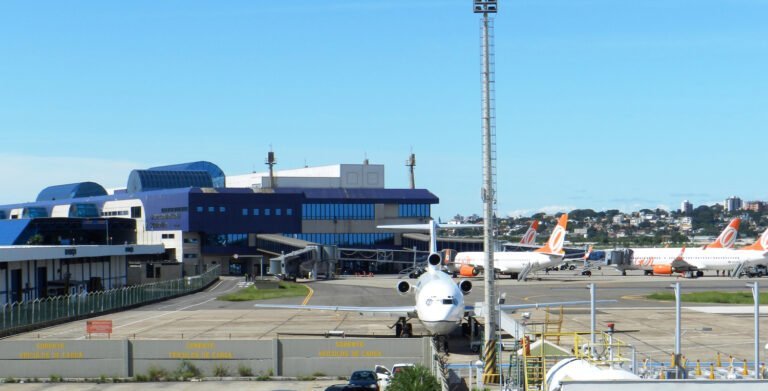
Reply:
x=289, y=212
x=245, y=211
x=278, y=212
x=211, y=209
x=255, y=211
x=267, y=211
x=199, y=208
x=222, y=209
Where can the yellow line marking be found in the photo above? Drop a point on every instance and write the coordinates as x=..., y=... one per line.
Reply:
x=309, y=295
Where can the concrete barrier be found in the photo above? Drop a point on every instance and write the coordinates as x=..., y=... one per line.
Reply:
x=257, y=356
x=64, y=358
x=279, y=357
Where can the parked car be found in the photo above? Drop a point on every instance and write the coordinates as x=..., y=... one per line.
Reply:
x=385, y=375
x=364, y=380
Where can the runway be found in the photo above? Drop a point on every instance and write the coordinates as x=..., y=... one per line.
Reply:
x=648, y=325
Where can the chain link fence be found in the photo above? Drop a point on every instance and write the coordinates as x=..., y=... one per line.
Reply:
x=25, y=315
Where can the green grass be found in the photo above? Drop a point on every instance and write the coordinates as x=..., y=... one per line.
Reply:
x=711, y=297
x=286, y=289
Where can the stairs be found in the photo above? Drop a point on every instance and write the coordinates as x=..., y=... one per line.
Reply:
x=535, y=371
x=525, y=272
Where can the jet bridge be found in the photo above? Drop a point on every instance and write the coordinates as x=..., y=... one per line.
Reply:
x=620, y=259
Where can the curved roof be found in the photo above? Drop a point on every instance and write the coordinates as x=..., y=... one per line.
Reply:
x=71, y=190
x=217, y=174
x=148, y=180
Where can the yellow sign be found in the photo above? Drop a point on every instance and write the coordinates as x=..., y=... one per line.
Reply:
x=350, y=353
x=51, y=351
x=201, y=351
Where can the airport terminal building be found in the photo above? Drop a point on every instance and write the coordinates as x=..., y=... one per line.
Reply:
x=181, y=219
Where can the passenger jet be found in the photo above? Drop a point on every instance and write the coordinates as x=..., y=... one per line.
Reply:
x=470, y=264
x=438, y=300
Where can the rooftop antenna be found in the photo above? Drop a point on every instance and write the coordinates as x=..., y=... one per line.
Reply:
x=486, y=7
x=411, y=163
x=271, y=161
x=365, y=158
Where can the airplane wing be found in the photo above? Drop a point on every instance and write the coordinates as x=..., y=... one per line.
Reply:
x=399, y=311
x=508, y=307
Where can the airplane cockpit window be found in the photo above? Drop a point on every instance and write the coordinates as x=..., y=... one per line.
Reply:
x=448, y=301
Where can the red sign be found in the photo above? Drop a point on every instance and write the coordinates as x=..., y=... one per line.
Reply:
x=99, y=327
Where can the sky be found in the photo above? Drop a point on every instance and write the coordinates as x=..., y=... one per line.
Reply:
x=600, y=104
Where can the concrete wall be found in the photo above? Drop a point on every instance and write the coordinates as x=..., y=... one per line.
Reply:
x=64, y=358
x=280, y=357
x=341, y=357
x=204, y=354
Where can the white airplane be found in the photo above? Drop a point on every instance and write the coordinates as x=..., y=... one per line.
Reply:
x=693, y=262
x=760, y=245
x=470, y=264
x=438, y=300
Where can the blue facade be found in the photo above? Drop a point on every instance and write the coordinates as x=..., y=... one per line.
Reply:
x=217, y=174
x=149, y=180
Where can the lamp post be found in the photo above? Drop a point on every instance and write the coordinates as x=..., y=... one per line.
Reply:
x=756, y=297
x=676, y=287
x=486, y=7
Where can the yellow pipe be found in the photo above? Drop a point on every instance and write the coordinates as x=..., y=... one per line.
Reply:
x=719, y=362
x=698, y=368
x=745, y=371
x=712, y=371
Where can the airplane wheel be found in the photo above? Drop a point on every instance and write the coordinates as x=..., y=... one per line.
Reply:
x=465, y=331
x=623, y=272
x=398, y=330
x=407, y=330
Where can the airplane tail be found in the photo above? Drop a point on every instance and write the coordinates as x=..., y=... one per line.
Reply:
x=728, y=237
x=761, y=244
x=555, y=243
x=531, y=233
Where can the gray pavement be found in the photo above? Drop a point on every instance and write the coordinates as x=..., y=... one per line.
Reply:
x=316, y=385
x=646, y=324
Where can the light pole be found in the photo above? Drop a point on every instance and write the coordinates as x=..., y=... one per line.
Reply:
x=486, y=7
x=756, y=297
x=676, y=287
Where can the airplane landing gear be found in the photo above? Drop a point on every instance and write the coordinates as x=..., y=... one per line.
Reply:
x=441, y=342
x=403, y=329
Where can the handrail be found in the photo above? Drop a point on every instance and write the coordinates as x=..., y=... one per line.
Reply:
x=23, y=315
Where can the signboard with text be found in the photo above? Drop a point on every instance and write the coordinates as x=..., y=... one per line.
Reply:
x=98, y=327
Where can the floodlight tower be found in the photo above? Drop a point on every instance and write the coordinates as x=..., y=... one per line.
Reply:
x=486, y=7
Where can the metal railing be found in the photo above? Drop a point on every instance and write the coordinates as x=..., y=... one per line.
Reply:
x=29, y=314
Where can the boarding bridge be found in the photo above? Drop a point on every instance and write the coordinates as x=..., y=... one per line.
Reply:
x=310, y=261
x=620, y=259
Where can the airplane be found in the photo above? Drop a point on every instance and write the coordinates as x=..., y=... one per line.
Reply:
x=761, y=244
x=727, y=238
x=529, y=238
x=693, y=262
x=470, y=264
x=438, y=300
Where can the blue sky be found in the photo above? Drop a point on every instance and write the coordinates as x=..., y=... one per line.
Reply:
x=600, y=103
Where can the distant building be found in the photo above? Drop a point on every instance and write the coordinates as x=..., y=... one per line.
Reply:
x=755, y=206
x=686, y=207
x=732, y=204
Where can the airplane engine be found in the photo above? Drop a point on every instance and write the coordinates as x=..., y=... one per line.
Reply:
x=403, y=287
x=465, y=286
x=468, y=271
x=662, y=269
x=434, y=259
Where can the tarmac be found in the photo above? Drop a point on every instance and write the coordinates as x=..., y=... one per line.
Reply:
x=647, y=325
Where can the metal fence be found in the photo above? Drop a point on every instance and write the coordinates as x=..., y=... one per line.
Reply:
x=28, y=314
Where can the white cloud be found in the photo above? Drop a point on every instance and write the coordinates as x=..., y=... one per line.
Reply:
x=552, y=209
x=26, y=175
x=520, y=213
